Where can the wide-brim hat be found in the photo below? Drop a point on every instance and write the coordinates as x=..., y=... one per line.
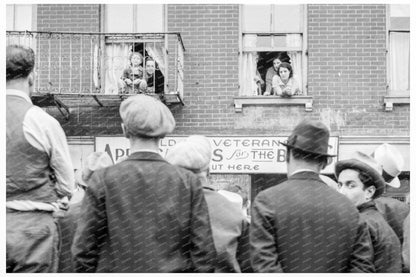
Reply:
x=310, y=137
x=391, y=161
x=193, y=153
x=144, y=116
x=94, y=161
x=365, y=163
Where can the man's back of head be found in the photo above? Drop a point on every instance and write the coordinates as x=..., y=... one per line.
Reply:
x=20, y=62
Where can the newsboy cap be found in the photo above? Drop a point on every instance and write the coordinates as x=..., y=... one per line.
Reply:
x=194, y=153
x=144, y=116
x=311, y=137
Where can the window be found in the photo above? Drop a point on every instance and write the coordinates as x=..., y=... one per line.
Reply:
x=123, y=21
x=399, y=50
x=268, y=32
x=21, y=18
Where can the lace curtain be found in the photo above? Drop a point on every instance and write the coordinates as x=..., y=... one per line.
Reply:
x=117, y=59
x=248, y=71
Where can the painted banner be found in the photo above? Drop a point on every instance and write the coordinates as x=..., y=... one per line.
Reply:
x=246, y=155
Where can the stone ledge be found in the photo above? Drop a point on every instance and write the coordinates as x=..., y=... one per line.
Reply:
x=389, y=101
x=239, y=101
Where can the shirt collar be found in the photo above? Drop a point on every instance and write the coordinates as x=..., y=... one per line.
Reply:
x=18, y=93
x=302, y=170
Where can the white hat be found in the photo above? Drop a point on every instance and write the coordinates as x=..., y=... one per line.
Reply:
x=193, y=153
x=94, y=161
x=391, y=161
x=331, y=183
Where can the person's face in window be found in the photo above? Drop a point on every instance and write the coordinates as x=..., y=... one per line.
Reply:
x=136, y=60
x=150, y=67
x=284, y=73
x=276, y=63
x=350, y=185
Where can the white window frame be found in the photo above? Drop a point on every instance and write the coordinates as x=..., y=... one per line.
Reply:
x=134, y=30
x=393, y=97
x=277, y=49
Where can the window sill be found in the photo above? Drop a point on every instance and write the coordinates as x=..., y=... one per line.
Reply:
x=239, y=101
x=389, y=101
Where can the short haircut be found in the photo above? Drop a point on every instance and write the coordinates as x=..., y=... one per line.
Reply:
x=20, y=62
x=135, y=53
x=366, y=179
x=308, y=157
x=285, y=65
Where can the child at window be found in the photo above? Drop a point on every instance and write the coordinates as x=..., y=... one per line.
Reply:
x=132, y=79
x=284, y=84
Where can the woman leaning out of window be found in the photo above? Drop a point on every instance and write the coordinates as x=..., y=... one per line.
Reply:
x=284, y=83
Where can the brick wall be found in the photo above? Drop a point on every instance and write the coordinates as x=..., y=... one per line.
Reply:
x=210, y=35
x=346, y=74
x=347, y=70
x=68, y=18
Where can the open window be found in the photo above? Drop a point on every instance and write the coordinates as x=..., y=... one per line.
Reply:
x=138, y=29
x=398, y=57
x=270, y=32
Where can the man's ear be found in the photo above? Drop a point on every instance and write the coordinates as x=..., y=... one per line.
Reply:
x=31, y=79
x=369, y=192
x=124, y=130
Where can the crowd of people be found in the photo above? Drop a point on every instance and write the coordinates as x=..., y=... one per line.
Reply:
x=149, y=213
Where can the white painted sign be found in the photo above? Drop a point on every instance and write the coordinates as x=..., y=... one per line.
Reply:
x=232, y=154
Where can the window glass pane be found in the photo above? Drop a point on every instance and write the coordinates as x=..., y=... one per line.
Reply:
x=399, y=10
x=287, y=18
x=119, y=18
x=399, y=61
x=149, y=18
x=256, y=18
x=19, y=19
x=9, y=17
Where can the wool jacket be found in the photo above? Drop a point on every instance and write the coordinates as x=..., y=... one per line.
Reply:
x=144, y=215
x=302, y=225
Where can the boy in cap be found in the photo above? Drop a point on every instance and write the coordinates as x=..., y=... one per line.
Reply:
x=229, y=226
x=303, y=225
x=144, y=214
x=393, y=210
x=360, y=180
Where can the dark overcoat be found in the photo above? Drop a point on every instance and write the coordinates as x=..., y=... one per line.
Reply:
x=302, y=225
x=144, y=215
x=394, y=212
x=386, y=244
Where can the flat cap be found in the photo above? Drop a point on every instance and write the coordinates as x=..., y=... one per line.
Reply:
x=193, y=153
x=144, y=116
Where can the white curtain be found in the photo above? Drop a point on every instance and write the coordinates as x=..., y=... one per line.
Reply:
x=296, y=62
x=248, y=71
x=116, y=60
x=399, y=61
x=157, y=52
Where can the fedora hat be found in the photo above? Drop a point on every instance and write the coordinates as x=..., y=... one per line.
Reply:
x=367, y=164
x=310, y=137
x=391, y=161
x=94, y=161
